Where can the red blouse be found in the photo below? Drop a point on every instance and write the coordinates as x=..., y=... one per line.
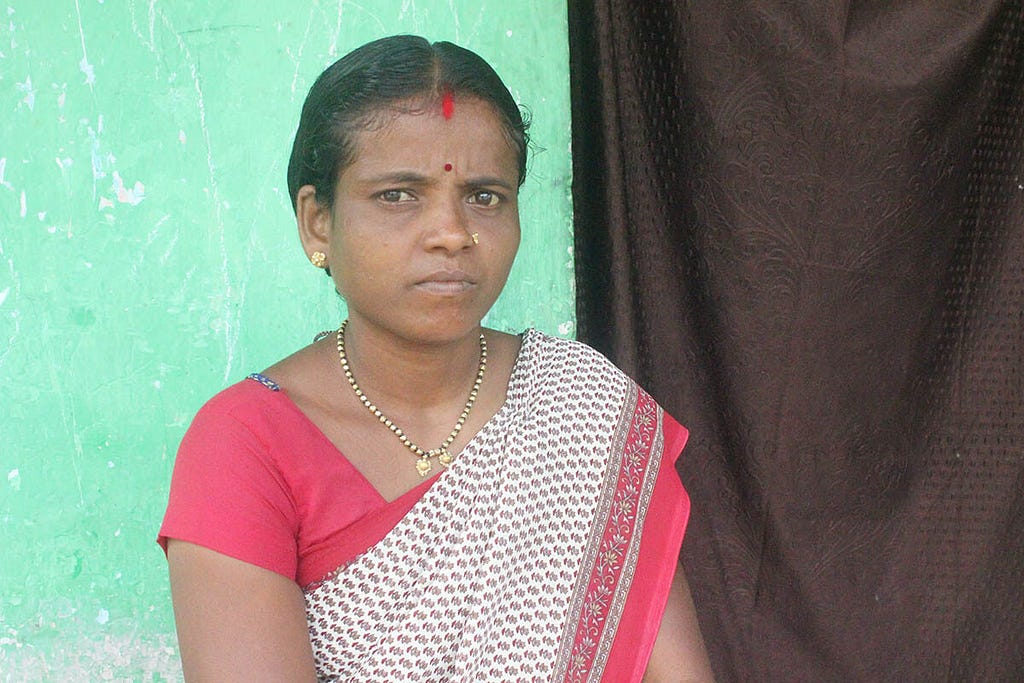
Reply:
x=256, y=480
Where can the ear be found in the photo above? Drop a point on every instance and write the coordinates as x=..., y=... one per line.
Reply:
x=314, y=221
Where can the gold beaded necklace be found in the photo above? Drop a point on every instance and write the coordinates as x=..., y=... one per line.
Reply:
x=423, y=457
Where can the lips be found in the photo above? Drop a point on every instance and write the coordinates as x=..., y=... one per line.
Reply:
x=446, y=282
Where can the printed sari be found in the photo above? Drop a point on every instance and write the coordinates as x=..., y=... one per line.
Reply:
x=544, y=552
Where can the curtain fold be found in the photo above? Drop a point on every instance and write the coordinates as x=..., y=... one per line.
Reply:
x=800, y=225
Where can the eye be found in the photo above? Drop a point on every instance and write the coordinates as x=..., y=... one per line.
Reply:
x=485, y=198
x=394, y=196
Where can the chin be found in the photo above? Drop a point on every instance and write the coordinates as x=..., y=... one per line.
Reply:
x=443, y=328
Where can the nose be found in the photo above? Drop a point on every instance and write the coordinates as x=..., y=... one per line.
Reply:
x=448, y=227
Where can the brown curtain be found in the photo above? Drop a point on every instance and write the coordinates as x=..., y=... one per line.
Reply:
x=800, y=224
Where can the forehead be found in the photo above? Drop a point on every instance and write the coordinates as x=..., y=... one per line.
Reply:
x=466, y=132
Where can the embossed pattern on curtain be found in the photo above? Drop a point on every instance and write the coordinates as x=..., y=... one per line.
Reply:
x=800, y=225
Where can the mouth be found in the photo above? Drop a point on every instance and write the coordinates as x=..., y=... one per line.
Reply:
x=446, y=282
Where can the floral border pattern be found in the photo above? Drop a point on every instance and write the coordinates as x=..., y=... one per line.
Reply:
x=618, y=542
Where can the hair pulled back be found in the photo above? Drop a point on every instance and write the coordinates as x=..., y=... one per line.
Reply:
x=387, y=74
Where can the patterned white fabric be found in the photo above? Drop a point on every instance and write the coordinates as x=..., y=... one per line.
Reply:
x=514, y=566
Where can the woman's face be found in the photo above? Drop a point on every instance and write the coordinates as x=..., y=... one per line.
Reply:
x=401, y=237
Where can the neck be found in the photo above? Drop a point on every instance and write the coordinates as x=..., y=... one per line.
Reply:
x=409, y=374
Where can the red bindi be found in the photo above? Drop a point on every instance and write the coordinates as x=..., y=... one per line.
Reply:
x=447, y=104
x=447, y=167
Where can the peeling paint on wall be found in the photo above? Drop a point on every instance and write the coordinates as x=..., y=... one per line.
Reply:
x=148, y=257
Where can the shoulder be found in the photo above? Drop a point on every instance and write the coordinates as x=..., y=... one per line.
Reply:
x=248, y=402
x=234, y=427
x=240, y=396
x=571, y=356
x=566, y=370
x=253, y=420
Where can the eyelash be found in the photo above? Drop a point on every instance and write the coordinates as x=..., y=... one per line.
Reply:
x=383, y=196
x=496, y=197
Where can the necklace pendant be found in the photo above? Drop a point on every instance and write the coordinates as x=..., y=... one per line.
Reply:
x=423, y=466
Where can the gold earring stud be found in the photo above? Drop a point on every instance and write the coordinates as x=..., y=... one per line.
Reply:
x=475, y=237
x=318, y=259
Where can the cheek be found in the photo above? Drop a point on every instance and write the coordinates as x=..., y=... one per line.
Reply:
x=343, y=269
x=362, y=271
x=513, y=239
x=505, y=253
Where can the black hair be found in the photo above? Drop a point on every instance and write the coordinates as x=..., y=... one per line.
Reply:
x=386, y=74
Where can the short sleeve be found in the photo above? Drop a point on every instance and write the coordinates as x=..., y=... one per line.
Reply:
x=228, y=495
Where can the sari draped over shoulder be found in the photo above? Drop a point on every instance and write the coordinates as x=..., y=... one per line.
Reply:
x=543, y=553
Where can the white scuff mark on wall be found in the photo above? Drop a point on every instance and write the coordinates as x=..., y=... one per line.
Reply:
x=95, y=157
x=84, y=65
x=105, y=204
x=24, y=205
x=455, y=20
x=11, y=29
x=148, y=41
x=14, y=479
x=170, y=249
x=77, y=456
x=69, y=419
x=155, y=232
x=29, y=99
x=126, y=195
x=3, y=168
x=229, y=304
x=332, y=50
x=102, y=617
x=62, y=99
x=297, y=57
x=101, y=160
x=87, y=69
x=3, y=298
x=181, y=137
x=13, y=316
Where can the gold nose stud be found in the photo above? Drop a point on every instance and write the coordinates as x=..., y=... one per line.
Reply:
x=475, y=237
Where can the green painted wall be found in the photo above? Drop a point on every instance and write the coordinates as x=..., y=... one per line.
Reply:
x=148, y=257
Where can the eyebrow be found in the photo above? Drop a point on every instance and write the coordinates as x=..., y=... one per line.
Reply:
x=399, y=177
x=414, y=178
x=489, y=180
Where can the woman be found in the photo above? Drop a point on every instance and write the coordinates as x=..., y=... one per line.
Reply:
x=413, y=497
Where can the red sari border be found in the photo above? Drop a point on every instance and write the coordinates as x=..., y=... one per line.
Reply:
x=615, y=543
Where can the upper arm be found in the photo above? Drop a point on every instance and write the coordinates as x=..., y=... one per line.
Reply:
x=237, y=621
x=679, y=655
x=229, y=493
